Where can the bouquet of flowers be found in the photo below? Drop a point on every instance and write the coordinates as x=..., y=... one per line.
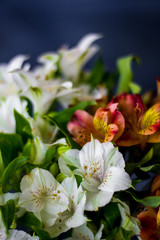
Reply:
x=79, y=150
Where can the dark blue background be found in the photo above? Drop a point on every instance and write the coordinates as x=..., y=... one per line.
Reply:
x=129, y=27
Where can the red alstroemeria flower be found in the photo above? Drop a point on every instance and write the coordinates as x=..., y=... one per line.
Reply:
x=150, y=219
x=106, y=125
x=141, y=125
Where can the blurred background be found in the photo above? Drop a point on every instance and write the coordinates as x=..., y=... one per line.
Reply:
x=129, y=27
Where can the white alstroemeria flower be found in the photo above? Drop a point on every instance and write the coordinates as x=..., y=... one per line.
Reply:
x=49, y=63
x=20, y=235
x=128, y=222
x=43, y=195
x=42, y=129
x=101, y=166
x=74, y=216
x=85, y=233
x=72, y=60
x=7, y=120
x=41, y=92
x=7, y=85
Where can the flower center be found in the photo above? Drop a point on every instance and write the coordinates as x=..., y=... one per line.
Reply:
x=94, y=170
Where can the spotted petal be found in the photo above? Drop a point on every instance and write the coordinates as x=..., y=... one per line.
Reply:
x=115, y=179
x=151, y=120
x=91, y=159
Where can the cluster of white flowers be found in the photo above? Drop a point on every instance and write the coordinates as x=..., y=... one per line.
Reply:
x=59, y=205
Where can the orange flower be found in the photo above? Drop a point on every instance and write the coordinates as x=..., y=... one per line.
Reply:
x=106, y=125
x=141, y=125
x=150, y=219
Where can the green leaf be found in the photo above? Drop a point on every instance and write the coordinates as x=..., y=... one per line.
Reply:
x=11, y=170
x=112, y=214
x=126, y=235
x=125, y=72
x=1, y=164
x=151, y=201
x=153, y=168
x=41, y=233
x=10, y=145
x=8, y=211
x=22, y=126
x=135, y=88
x=30, y=220
x=70, y=141
x=63, y=117
x=50, y=154
x=96, y=75
x=147, y=157
x=130, y=167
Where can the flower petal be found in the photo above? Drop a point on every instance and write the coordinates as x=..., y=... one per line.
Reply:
x=97, y=199
x=91, y=159
x=151, y=120
x=112, y=156
x=115, y=179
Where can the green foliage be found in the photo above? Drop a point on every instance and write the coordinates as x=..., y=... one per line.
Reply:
x=153, y=168
x=29, y=220
x=10, y=171
x=63, y=117
x=126, y=235
x=96, y=75
x=7, y=212
x=22, y=126
x=126, y=75
x=130, y=167
x=153, y=201
x=112, y=214
x=10, y=145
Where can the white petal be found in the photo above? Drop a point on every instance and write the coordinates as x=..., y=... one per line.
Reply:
x=70, y=185
x=97, y=199
x=90, y=184
x=115, y=179
x=82, y=233
x=112, y=156
x=69, y=158
x=26, y=181
x=16, y=62
x=29, y=202
x=99, y=233
x=91, y=159
x=87, y=40
x=20, y=235
x=78, y=217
